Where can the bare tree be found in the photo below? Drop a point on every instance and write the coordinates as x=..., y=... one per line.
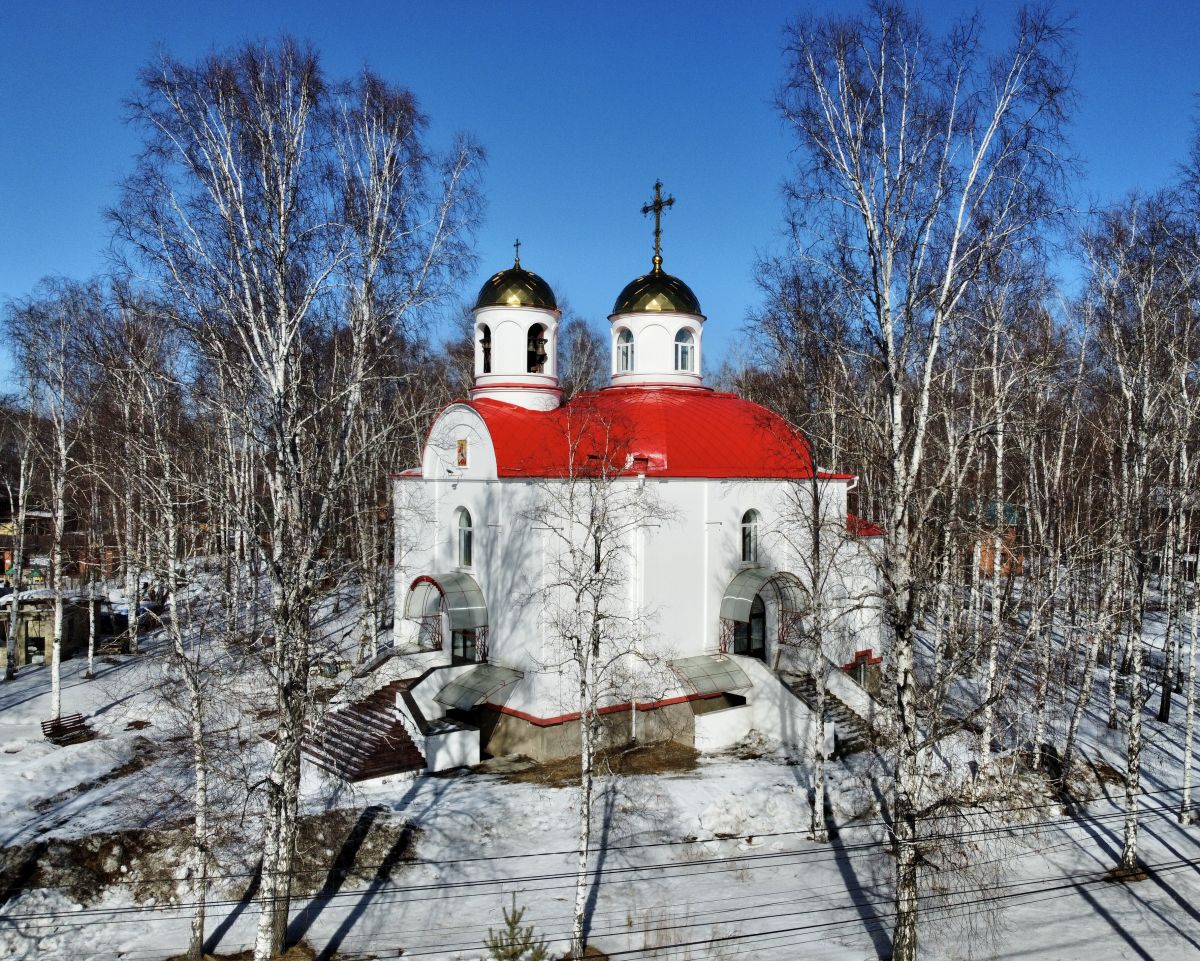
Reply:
x=1140, y=282
x=44, y=329
x=835, y=585
x=19, y=426
x=590, y=520
x=583, y=355
x=922, y=161
x=290, y=224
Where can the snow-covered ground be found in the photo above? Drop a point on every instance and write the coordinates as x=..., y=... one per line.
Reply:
x=707, y=863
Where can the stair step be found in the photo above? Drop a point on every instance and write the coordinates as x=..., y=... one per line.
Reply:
x=365, y=739
x=853, y=732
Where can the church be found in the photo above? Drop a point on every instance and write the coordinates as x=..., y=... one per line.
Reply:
x=674, y=542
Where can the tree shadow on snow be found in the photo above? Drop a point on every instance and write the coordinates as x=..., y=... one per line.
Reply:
x=382, y=877
x=593, y=895
x=331, y=893
x=339, y=870
x=860, y=895
x=1107, y=845
x=213, y=941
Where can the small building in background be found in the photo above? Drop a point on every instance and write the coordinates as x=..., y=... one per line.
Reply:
x=35, y=627
x=1010, y=519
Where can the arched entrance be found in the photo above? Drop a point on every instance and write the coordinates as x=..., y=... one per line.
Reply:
x=454, y=598
x=754, y=598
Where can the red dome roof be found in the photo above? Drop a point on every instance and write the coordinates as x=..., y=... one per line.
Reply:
x=664, y=431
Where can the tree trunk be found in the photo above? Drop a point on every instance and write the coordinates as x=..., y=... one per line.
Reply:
x=56, y=568
x=283, y=783
x=24, y=466
x=817, y=829
x=587, y=746
x=1169, y=565
x=1133, y=757
x=1189, y=717
x=904, y=935
x=1085, y=695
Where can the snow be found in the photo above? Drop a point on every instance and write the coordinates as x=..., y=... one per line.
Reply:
x=715, y=858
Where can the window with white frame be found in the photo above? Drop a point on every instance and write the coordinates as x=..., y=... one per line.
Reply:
x=624, y=351
x=750, y=537
x=685, y=351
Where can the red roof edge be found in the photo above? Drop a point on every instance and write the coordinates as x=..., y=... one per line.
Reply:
x=860, y=527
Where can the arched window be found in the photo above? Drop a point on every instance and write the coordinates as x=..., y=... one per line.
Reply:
x=536, y=350
x=685, y=351
x=464, y=537
x=624, y=351
x=750, y=537
x=485, y=345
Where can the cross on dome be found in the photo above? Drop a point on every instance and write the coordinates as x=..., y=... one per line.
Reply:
x=517, y=252
x=657, y=206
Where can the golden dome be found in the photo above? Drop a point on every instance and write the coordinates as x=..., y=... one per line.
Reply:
x=656, y=291
x=516, y=287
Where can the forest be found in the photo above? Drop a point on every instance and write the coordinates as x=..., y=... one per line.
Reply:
x=1012, y=378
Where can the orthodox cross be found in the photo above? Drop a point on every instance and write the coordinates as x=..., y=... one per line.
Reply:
x=658, y=206
x=517, y=252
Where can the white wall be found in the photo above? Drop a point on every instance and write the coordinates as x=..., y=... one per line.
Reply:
x=679, y=568
x=719, y=730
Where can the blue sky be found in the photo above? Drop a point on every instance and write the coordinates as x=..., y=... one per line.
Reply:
x=579, y=106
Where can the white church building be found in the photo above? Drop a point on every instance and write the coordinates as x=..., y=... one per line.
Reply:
x=706, y=583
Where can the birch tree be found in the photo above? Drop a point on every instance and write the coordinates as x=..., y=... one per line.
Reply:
x=834, y=582
x=278, y=213
x=1141, y=287
x=19, y=426
x=922, y=159
x=591, y=521
x=44, y=329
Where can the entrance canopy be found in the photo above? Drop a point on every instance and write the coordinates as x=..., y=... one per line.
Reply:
x=464, y=603
x=711, y=674
x=473, y=687
x=739, y=595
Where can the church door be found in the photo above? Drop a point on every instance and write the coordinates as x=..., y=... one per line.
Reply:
x=462, y=647
x=750, y=637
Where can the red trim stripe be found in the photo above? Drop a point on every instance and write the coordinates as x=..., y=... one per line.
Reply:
x=611, y=709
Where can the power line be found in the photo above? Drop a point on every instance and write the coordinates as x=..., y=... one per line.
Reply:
x=746, y=860
x=396, y=894
x=609, y=850
x=807, y=891
x=990, y=894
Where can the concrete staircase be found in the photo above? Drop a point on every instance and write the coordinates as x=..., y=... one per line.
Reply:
x=365, y=740
x=853, y=732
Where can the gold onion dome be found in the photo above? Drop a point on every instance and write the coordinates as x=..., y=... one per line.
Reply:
x=516, y=287
x=656, y=291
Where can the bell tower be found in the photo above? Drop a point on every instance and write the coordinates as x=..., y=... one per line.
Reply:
x=516, y=339
x=657, y=326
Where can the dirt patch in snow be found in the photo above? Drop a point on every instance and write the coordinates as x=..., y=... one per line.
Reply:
x=350, y=848
x=333, y=849
x=1119, y=875
x=666, y=757
x=297, y=952
x=83, y=868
